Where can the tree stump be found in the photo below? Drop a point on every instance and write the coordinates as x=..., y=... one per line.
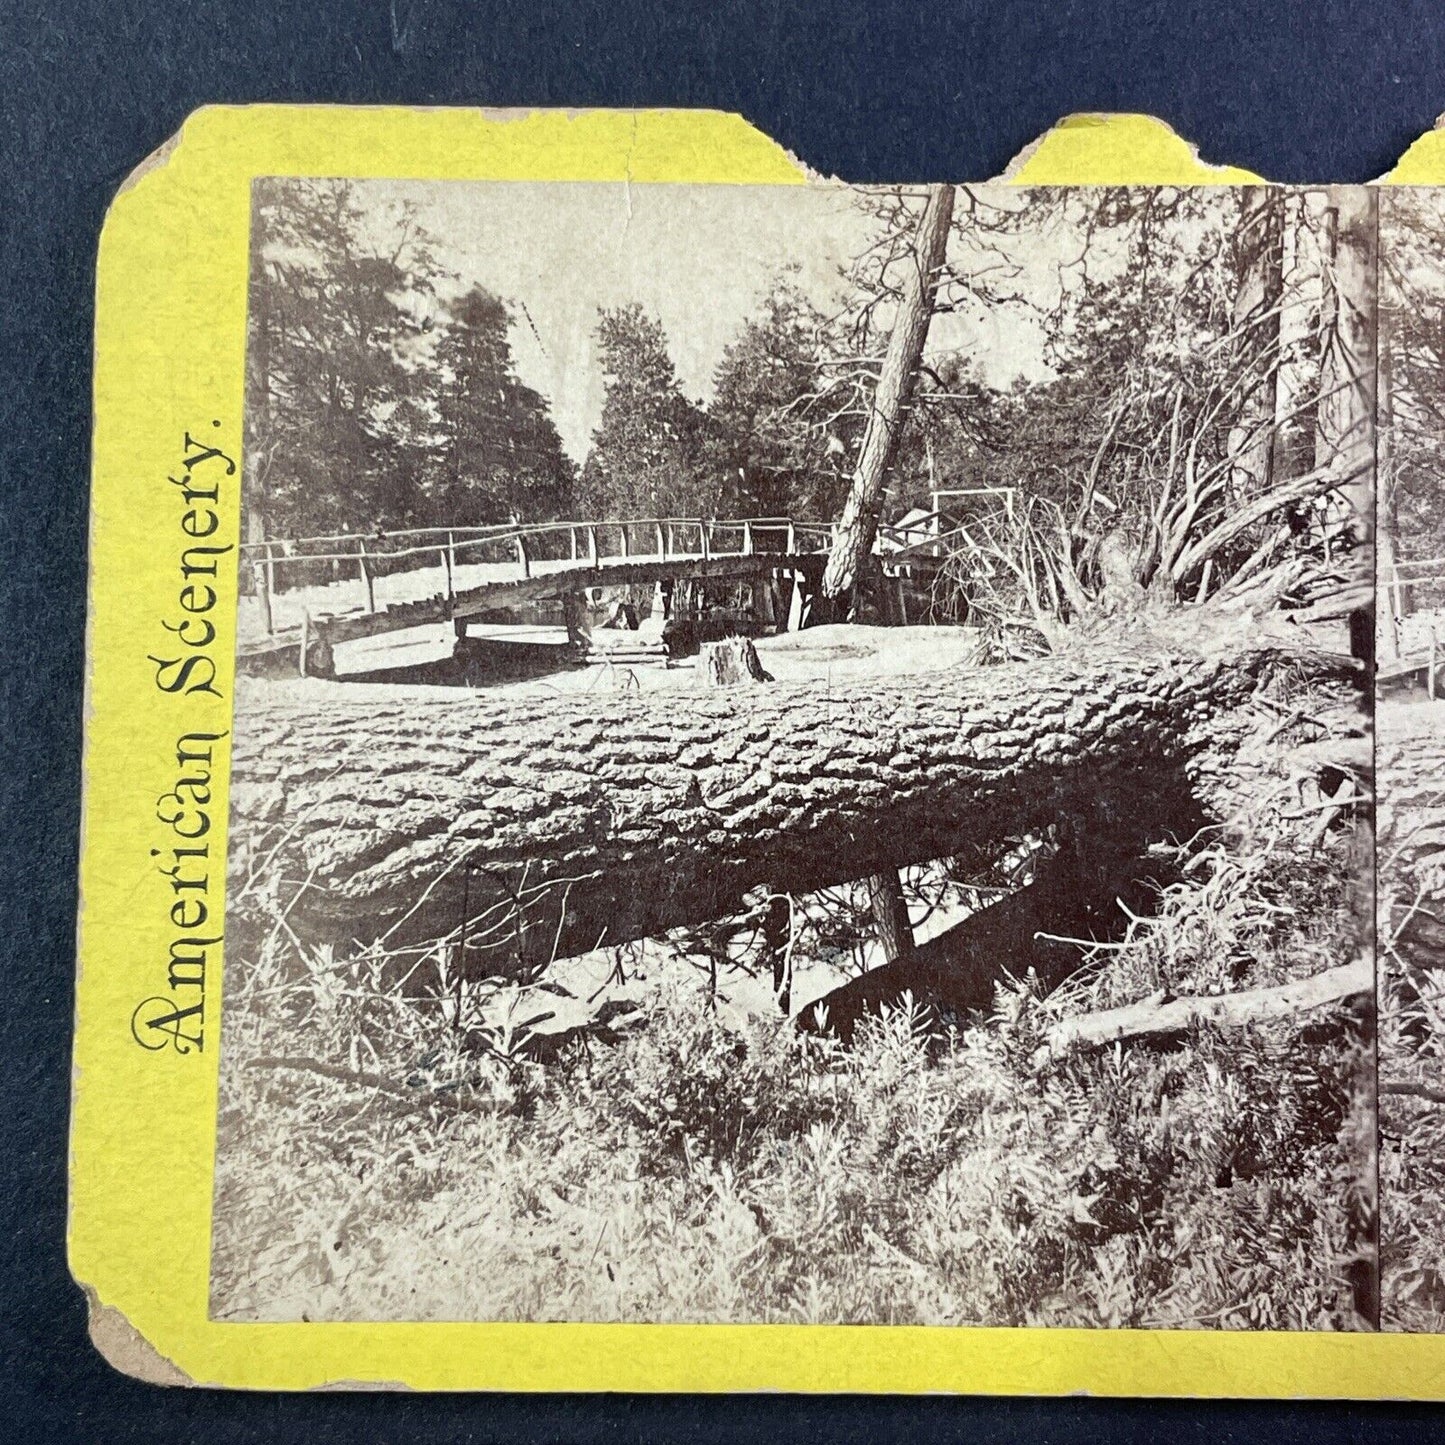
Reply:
x=732, y=661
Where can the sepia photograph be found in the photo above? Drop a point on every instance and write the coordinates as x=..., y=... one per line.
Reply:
x=1411, y=731
x=804, y=754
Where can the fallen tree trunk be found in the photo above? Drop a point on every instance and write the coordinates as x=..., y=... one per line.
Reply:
x=1043, y=929
x=544, y=827
x=1159, y=1018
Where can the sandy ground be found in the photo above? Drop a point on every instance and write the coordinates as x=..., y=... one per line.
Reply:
x=821, y=654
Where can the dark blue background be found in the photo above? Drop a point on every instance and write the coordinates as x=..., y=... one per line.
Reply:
x=866, y=90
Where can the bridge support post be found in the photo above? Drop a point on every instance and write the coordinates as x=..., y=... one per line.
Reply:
x=574, y=613
x=799, y=603
x=763, y=608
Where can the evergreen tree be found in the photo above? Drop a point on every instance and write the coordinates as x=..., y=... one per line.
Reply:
x=499, y=453
x=646, y=456
x=767, y=443
x=337, y=411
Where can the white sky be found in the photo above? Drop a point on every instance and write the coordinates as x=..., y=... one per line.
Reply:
x=701, y=259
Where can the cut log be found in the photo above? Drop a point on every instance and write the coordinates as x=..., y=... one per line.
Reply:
x=1158, y=1019
x=560, y=824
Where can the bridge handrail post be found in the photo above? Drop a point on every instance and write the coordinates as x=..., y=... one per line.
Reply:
x=747, y=538
x=661, y=541
x=264, y=572
x=704, y=529
x=626, y=541
x=592, y=543
x=523, y=560
x=366, y=577
x=447, y=568
x=792, y=538
x=572, y=541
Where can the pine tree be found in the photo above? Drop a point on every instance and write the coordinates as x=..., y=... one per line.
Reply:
x=337, y=413
x=499, y=454
x=646, y=451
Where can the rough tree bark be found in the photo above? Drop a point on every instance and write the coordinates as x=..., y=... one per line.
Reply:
x=1345, y=419
x=859, y=522
x=734, y=662
x=890, y=914
x=554, y=826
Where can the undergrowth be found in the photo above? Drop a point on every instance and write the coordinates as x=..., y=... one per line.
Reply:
x=706, y=1169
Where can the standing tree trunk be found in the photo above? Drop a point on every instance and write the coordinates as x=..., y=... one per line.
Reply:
x=1259, y=265
x=1390, y=605
x=890, y=915
x=859, y=522
x=1345, y=419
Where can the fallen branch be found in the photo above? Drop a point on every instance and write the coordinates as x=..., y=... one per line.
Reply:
x=1160, y=1017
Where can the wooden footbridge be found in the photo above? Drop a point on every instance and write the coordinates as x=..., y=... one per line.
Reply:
x=301, y=597
x=1411, y=632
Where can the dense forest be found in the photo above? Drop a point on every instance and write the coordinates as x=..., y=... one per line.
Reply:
x=385, y=393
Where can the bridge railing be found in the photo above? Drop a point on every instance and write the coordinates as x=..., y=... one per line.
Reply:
x=352, y=571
